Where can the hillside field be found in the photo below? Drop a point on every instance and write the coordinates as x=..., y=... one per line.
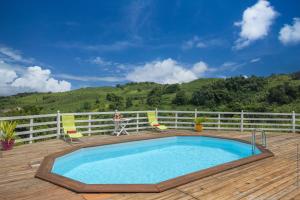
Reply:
x=276, y=93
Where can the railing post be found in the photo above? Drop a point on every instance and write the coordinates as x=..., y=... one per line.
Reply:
x=242, y=121
x=90, y=124
x=195, y=115
x=294, y=122
x=137, y=122
x=156, y=113
x=30, y=129
x=58, y=124
x=219, y=121
x=253, y=141
x=176, y=118
x=297, y=165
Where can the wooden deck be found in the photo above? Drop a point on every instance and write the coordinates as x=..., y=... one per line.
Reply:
x=271, y=178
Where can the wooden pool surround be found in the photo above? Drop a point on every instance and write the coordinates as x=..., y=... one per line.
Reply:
x=44, y=171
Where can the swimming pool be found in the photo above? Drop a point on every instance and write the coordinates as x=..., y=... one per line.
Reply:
x=150, y=162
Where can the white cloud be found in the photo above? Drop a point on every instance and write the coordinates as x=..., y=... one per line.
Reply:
x=255, y=24
x=254, y=60
x=100, y=61
x=15, y=78
x=90, y=78
x=33, y=79
x=121, y=66
x=200, y=68
x=229, y=64
x=12, y=55
x=7, y=75
x=108, y=47
x=15, y=55
x=138, y=17
x=195, y=42
x=39, y=80
x=167, y=71
x=290, y=34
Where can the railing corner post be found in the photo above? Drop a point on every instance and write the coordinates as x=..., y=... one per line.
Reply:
x=58, y=124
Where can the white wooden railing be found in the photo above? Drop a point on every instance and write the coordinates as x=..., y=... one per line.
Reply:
x=41, y=127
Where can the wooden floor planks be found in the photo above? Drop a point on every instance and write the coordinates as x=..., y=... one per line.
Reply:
x=271, y=178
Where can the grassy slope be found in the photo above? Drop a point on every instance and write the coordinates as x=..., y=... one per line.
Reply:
x=73, y=101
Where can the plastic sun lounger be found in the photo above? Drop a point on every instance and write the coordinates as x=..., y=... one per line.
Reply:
x=68, y=122
x=152, y=119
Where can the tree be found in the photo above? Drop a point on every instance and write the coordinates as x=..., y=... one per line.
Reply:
x=120, y=86
x=117, y=102
x=111, y=97
x=129, y=102
x=282, y=94
x=180, y=98
x=171, y=88
x=296, y=75
x=203, y=98
x=235, y=106
x=86, y=106
x=240, y=84
x=116, y=106
x=153, y=100
x=155, y=96
x=32, y=110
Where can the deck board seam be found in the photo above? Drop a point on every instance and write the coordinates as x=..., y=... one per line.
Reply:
x=186, y=193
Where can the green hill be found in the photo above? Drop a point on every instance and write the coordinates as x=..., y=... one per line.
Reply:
x=278, y=93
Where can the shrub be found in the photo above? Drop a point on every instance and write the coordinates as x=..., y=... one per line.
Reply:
x=169, y=89
x=129, y=102
x=199, y=120
x=180, y=98
x=282, y=94
x=8, y=129
x=155, y=96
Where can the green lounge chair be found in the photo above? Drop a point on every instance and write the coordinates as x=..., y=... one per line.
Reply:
x=68, y=122
x=152, y=119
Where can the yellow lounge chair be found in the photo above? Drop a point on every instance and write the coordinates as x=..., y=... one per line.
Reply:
x=153, y=121
x=68, y=122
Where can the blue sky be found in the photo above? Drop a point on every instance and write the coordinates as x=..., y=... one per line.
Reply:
x=62, y=45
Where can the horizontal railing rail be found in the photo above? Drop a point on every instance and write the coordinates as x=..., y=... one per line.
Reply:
x=33, y=128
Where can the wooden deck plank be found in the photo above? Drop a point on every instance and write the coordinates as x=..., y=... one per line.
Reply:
x=271, y=178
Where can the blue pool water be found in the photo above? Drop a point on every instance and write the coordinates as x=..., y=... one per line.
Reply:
x=149, y=161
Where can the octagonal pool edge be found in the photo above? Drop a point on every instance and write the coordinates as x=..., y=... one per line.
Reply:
x=44, y=172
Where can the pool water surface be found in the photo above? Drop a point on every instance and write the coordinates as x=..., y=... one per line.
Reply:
x=149, y=161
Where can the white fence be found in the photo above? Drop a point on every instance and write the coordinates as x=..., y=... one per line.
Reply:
x=41, y=127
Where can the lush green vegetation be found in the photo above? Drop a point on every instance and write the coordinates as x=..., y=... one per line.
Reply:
x=279, y=93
